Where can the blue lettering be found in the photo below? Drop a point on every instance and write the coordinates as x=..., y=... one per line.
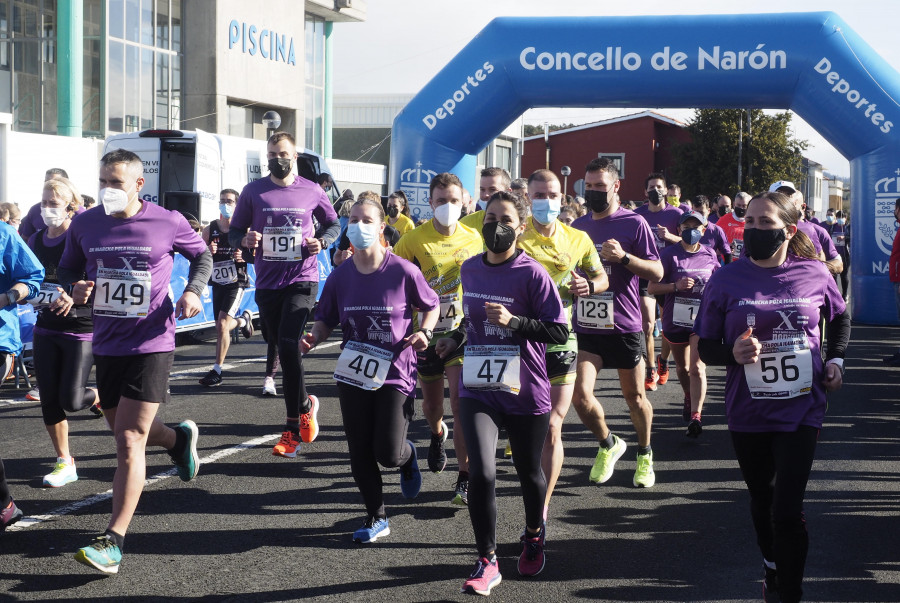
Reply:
x=265, y=42
x=244, y=37
x=280, y=48
x=233, y=32
x=262, y=45
x=292, y=60
x=252, y=40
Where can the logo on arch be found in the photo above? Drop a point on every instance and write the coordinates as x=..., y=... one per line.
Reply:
x=887, y=190
x=414, y=182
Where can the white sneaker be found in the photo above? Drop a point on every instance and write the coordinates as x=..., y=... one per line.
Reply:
x=62, y=474
x=269, y=387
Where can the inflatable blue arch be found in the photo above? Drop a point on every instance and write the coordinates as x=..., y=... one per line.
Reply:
x=812, y=63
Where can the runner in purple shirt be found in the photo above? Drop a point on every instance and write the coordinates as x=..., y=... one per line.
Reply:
x=127, y=249
x=275, y=216
x=373, y=297
x=760, y=317
x=686, y=270
x=713, y=237
x=820, y=238
x=608, y=325
x=512, y=310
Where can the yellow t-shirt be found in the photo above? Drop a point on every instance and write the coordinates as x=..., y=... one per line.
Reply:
x=403, y=224
x=439, y=258
x=474, y=221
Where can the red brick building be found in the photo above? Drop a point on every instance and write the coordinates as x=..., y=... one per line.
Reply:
x=641, y=143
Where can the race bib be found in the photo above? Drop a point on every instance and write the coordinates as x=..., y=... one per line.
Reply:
x=451, y=313
x=224, y=273
x=122, y=293
x=47, y=294
x=737, y=247
x=596, y=311
x=492, y=368
x=362, y=365
x=839, y=240
x=783, y=370
x=282, y=244
x=685, y=311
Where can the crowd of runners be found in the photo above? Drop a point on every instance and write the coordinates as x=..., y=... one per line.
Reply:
x=511, y=305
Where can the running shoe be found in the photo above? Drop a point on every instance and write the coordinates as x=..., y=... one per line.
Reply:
x=309, y=425
x=9, y=515
x=410, y=476
x=532, y=559
x=437, y=456
x=483, y=578
x=507, y=453
x=372, y=530
x=770, y=585
x=62, y=474
x=269, y=387
x=686, y=409
x=247, y=329
x=606, y=461
x=96, y=409
x=651, y=380
x=187, y=463
x=103, y=555
x=212, y=379
x=34, y=394
x=657, y=328
x=288, y=445
x=643, y=475
x=695, y=428
x=662, y=369
x=461, y=493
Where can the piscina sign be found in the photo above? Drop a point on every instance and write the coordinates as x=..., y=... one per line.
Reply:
x=267, y=43
x=812, y=63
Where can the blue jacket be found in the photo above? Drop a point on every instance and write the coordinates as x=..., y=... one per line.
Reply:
x=18, y=265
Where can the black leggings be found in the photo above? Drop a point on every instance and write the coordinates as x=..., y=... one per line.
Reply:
x=776, y=467
x=481, y=424
x=63, y=367
x=271, y=351
x=5, y=496
x=284, y=313
x=375, y=423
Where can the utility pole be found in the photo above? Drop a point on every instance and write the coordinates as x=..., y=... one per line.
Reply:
x=740, y=173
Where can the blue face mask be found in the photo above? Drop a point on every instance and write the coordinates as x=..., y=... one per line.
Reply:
x=691, y=236
x=362, y=236
x=829, y=219
x=545, y=211
x=226, y=210
x=841, y=221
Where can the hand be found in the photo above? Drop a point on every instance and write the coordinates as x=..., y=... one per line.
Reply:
x=62, y=304
x=417, y=340
x=497, y=314
x=579, y=285
x=213, y=246
x=746, y=349
x=685, y=283
x=188, y=306
x=313, y=245
x=238, y=255
x=81, y=291
x=833, y=378
x=307, y=342
x=612, y=251
x=445, y=346
x=341, y=256
x=252, y=239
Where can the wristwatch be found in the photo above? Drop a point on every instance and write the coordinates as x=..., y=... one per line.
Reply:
x=428, y=333
x=13, y=295
x=625, y=260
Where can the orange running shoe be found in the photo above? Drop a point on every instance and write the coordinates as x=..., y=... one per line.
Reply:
x=662, y=368
x=651, y=380
x=287, y=446
x=309, y=425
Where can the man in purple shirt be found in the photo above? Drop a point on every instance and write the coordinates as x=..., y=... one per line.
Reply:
x=608, y=324
x=714, y=236
x=276, y=217
x=127, y=250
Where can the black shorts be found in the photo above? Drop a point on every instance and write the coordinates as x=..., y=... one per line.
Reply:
x=677, y=337
x=617, y=350
x=561, y=366
x=143, y=377
x=226, y=298
x=431, y=366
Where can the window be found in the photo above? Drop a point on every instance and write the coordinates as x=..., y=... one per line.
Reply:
x=314, y=37
x=616, y=158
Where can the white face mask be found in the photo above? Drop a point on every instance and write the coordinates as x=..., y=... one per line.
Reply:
x=448, y=214
x=114, y=200
x=54, y=216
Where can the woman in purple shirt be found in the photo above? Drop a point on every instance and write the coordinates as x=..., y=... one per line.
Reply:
x=512, y=310
x=760, y=317
x=373, y=297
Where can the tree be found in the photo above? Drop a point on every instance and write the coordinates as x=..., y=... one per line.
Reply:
x=530, y=130
x=708, y=164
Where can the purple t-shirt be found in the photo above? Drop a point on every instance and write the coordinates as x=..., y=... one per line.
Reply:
x=820, y=238
x=633, y=234
x=284, y=216
x=526, y=289
x=715, y=238
x=377, y=309
x=783, y=305
x=668, y=216
x=130, y=261
x=33, y=222
x=680, y=309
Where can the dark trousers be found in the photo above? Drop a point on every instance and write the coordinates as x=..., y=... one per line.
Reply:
x=63, y=367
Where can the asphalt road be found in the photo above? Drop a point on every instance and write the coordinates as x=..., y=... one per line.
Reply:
x=253, y=527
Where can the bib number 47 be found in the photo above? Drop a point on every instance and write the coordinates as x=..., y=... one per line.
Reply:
x=485, y=371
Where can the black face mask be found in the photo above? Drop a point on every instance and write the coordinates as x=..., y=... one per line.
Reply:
x=655, y=197
x=498, y=237
x=393, y=212
x=762, y=244
x=598, y=201
x=722, y=211
x=740, y=212
x=279, y=167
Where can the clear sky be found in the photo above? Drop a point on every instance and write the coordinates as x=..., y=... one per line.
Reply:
x=404, y=43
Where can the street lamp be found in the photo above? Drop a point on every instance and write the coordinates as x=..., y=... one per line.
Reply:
x=565, y=171
x=547, y=144
x=271, y=120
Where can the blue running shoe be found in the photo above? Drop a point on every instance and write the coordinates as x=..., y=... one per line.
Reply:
x=187, y=463
x=103, y=555
x=410, y=476
x=374, y=528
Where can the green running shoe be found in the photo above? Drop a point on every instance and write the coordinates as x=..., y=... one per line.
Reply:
x=606, y=461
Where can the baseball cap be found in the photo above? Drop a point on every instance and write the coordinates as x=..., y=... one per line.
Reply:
x=781, y=183
x=692, y=214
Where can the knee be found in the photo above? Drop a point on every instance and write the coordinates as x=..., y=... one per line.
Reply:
x=696, y=372
x=790, y=526
x=131, y=441
x=637, y=402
